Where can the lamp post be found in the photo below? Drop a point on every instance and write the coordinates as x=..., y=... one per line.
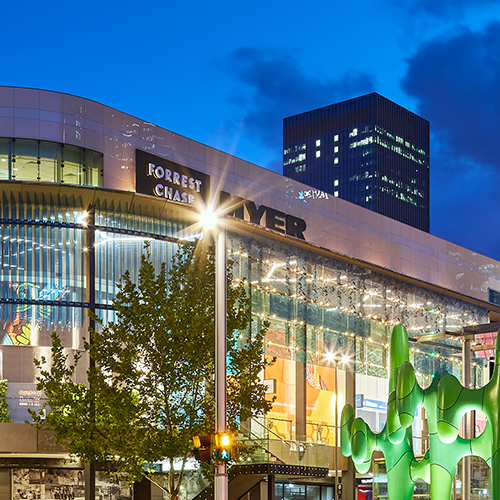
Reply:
x=221, y=483
x=218, y=222
x=344, y=359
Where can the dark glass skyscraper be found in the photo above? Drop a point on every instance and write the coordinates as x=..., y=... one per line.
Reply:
x=368, y=150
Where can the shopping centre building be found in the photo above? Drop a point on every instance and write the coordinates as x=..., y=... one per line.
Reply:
x=331, y=278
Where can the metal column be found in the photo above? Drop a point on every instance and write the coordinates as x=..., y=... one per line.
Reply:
x=221, y=483
x=90, y=284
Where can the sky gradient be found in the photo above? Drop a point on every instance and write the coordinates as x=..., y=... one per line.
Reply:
x=227, y=73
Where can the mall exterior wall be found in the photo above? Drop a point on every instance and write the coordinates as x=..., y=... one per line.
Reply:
x=332, y=223
x=329, y=276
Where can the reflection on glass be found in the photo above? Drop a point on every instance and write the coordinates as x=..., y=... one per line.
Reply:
x=313, y=492
x=32, y=160
x=294, y=492
x=4, y=158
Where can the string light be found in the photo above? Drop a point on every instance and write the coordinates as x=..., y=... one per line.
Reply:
x=367, y=295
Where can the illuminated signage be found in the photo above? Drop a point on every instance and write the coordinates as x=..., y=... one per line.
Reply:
x=274, y=219
x=174, y=182
x=166, y=179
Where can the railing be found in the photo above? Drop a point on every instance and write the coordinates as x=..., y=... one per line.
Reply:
x=320, y=433
x=276, y=448
x=280, y=426
x=193, y=485
x=269, y=446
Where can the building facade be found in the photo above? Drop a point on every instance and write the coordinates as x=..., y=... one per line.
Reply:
x=331, y=277
x=366, y=150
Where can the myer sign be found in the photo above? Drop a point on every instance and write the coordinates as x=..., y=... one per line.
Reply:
x=167, y=179
x=273, y=219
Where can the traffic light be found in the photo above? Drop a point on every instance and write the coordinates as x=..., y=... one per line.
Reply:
x=203, y=448
x=223, y=444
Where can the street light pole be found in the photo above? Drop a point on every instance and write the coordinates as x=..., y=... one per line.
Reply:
x=221, y=482
x=336, y=464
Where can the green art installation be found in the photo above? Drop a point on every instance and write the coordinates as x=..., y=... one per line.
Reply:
x=445, y=401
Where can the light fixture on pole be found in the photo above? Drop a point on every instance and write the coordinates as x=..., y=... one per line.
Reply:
x=332, y=357
x=217, y=221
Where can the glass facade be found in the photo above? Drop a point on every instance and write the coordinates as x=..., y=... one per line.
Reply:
x=368, y=151
x=33, y=160
x=316, y=304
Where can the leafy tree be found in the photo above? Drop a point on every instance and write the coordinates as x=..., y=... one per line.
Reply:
x=152, y=387
x=4, y=410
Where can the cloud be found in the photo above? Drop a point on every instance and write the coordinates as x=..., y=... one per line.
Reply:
x=273, y=85
x=463, y=207
x=454, y=9
x=456, y=82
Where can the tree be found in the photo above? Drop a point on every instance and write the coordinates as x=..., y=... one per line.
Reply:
x=4, y=410
x=152, y=387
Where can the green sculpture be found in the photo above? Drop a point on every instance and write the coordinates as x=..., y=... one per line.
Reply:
x=445, y=402
x=358, y=441
x=454, y=401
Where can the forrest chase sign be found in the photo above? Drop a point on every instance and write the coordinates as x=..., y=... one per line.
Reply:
x=166, y=179
x=169, y=180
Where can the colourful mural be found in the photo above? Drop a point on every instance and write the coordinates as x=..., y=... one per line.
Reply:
x=30, y=316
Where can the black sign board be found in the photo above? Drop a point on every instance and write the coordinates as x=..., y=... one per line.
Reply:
x=166, y=179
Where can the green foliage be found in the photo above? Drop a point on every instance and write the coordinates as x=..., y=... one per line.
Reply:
x=152, y=387
x=4, y=412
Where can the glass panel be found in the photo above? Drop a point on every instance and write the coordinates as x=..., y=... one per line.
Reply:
x=313, y=492
x=71, y=172
x=327, y=493
x=294, y=492
x=25, y=160
x=94, y=168
x=278, y=491
x=4, y=158
x=50, y=158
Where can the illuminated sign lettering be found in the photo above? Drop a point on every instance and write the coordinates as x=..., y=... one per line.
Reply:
x=166, y=179
x=274, y=219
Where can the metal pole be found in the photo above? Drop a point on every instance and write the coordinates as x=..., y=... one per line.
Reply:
x=335, y=456
x=90, y=283
x=221, y=483
x=466, y=420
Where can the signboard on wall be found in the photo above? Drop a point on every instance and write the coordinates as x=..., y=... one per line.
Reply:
x=169, y=180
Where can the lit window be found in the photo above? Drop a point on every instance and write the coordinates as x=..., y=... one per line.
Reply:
x=354, y=132
x=336, y=194
x=336, y=149
x=318, y=143
x=367, y=187
x=335, y=138
x=367, y=199
x=318, y=154
x=336, y=160
x=336, y=182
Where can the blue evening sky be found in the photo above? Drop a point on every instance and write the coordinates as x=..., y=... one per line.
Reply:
x=226, y=73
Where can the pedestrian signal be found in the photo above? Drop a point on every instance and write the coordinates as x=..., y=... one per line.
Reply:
x=223, y=444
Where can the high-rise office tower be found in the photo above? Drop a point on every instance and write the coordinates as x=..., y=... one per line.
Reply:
x=368, y=150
